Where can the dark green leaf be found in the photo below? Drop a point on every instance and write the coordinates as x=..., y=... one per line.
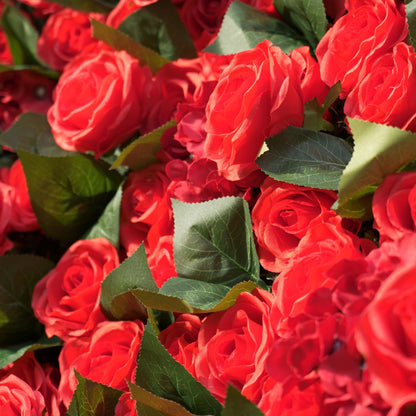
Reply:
x=147, y=404
x=314, y=112
x=305, y=157
x=237, y=404
x=68, y=194
x=32, y=133
x=160, y=374
x=411, y=21
x=108, y=225
x=194, y=291
x=18, y=277
x=122, y=42
x=213, y=241
x=142, y=152
x=116, y=300
x=308, y=16
x=13, y=352
x=159, y=27
x=99, y=6
x=244, y=27
x=21, y=35
x=379, y=150
x=93, y=399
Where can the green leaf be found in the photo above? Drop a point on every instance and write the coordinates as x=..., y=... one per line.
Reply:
x=98, y=6
x=147, y=404
x=308, y=16
x=411, y=21
x=122, y=42
x=68, y=194
x=237, y=404
x=305, y=157
x=379, y=150
x=32, y=133
x=108, y=225
x=314, y=112
x=159, y=27
x=93, y=399
x=243, y=27
x=142, y=152
x=160, y=374
x=11, y=353
x=178, y=295
x=213, y=241
x=47, y=72
x=21, y=35
x=116, y=300
x=18, y=277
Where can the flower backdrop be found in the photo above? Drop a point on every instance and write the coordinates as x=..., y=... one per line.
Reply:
x=207, y=207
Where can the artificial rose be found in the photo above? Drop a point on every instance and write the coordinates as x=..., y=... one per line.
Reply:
x=107, y=357
x=65, y=34
x=394, y=205
x=385, y=335
x=306, y=284
x=17, y=398
x=100, y=100
x=281, y=217
x=377, y=26
x=67, y=299
x=233, y=346
x=384, y=94
x=257, y=95
x=124, y=9
x=180, y=339
x=142, y=194
x=23, y=218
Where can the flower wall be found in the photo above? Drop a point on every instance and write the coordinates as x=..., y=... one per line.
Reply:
x=207, y=207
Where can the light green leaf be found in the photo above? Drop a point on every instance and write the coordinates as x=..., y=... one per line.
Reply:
x=237, y=404
x=148, y=404
x=22, y=36
x=308, y=16
x=243, y=27
x=122, y=42
x=160, y=374
x=11, y=353
x=379, y=150
x=68, y=194
x=93, y=399
x=192, y=296
x=159, y=27
x=32, y=133
x=108, y=225
x=116, y=300
x=305, y=157
x=142, y=152
x=18, y=277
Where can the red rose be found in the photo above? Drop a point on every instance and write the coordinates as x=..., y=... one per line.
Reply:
x=65, y=34
x=23, y=218
x=126, y=406
x=383, y=93
x=110, y=107
x=282, y=216
x=180, y=339
x=42, y=7
x=386, y=332
x=108, y=357
x=67, y=299
x=233, y=346
x=367, y=31
x=257, y=95
x=18, y=398
x=124, y=9
x=394, y=205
